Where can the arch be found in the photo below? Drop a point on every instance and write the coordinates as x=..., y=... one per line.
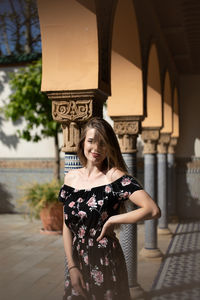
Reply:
x=167, y=106
x=175, y=132
x=154, y=99
x=126, y=65
x=69, y=44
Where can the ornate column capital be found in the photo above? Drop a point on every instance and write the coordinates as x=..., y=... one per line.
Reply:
x=172, y=145
x=127, y=130
x=163, y=143
x=74, y=108
x=150, y=137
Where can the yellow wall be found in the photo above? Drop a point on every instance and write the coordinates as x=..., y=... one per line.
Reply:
x=167, y=106
x=175, y=115
x=69, y=45
x=126, y=73
x=154, y=100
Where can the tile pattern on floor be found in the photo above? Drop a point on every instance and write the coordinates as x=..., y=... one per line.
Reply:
x=179, y=274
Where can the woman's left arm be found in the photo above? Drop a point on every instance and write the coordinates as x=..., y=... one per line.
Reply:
x=147, y=210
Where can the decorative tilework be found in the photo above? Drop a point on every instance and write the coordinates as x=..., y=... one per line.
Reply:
x=179, y=274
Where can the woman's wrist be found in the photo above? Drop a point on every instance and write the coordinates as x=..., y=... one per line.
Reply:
x=72, y=267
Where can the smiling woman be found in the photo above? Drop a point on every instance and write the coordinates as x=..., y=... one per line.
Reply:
x=92, y=197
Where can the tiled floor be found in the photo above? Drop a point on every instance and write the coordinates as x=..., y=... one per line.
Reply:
x=32, y=264
x=179, y=275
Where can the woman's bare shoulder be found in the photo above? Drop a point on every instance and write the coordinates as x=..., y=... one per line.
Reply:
x=114, y=174
x=71, y=176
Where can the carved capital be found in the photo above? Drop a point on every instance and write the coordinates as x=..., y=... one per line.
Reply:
x=172, y=145
x=77, y=106
x=127, y=130
x=150, y=138
x=163, y=143
x=73, y=108
x=126, y=127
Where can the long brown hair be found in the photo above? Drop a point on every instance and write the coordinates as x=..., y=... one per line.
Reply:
x=104, y=132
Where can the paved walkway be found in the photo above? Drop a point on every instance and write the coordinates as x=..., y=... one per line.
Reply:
x=32, y=264
x=179, y=274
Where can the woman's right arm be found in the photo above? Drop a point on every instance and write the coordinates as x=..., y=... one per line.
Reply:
x=75, y=275
x=67, y=239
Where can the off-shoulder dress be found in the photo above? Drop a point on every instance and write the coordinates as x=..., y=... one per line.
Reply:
x=101, y=263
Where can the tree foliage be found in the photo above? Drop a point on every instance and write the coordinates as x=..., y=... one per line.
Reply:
x=29, y=102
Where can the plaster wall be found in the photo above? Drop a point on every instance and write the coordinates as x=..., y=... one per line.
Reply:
x=189, y=109
x=10, y=145
x=188, y=149
x=69, y=45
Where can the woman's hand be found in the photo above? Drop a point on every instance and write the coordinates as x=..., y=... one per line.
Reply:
x=108, y=229
x=77, y=282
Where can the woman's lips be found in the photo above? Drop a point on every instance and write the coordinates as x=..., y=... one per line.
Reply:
x=95, y=154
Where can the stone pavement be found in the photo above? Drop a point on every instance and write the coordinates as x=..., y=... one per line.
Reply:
x=179, y=274
x=32, y=264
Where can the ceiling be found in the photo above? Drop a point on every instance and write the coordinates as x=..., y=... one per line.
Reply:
x=180, y=23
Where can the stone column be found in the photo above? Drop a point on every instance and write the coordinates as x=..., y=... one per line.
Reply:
x=72, y=109
x=127, y=130
x=171, y=179
x=162, y=148
x=150, y=138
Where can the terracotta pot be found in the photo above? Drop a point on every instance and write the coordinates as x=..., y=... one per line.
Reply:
x=52, y=218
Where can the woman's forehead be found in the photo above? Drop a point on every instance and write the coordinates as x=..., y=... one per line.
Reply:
x=93, y=134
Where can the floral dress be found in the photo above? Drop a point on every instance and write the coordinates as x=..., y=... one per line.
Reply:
x=102, y=263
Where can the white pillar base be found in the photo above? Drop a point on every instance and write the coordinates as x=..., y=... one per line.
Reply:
x=136, y=292
x=151, y=254
x=164, y=231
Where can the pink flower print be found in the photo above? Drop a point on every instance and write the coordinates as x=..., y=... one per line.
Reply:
x=115, y=206
x=78, y=247
x=85, y=258
x=73, y=212
x=123, y=195
x=82, y=214
x=66, y=216
x=92, y=202
x=125, y=181
x=81, y=252
x=80, y=200
x=71, y=204
x=63, y=193
x=93, y=297
x=87, y=286
x=107, y=189
x=97, y=276
x=75, y=293
x=114, y=278
x=106, y=261
x=104, y=215
x=81, y=232
x=103, y=242
x=90, y=242
x=101, y=261
x=92, y=232
x=108, y=295
x=66, y=283
x=83, y=241
x=100, y=202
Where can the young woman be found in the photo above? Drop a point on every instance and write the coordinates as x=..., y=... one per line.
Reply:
x=93, y=197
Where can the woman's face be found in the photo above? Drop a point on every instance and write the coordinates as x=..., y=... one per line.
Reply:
x=94, y=148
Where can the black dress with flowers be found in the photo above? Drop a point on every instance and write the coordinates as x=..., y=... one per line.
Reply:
x=102, y=263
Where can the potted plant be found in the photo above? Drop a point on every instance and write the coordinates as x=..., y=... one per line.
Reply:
x=42, y=201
